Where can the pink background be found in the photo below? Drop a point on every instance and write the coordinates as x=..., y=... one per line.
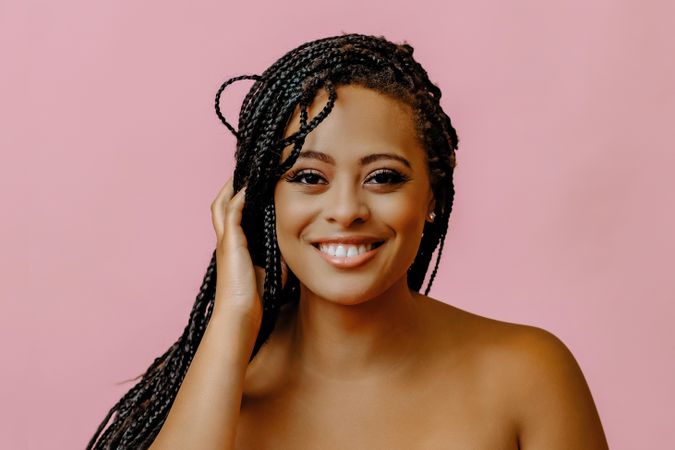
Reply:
x=112, y=154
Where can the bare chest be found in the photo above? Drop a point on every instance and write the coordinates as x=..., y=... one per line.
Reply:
x=426, y=417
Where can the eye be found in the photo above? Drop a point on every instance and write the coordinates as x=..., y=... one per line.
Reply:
x=303, y=176
x=312, y=177
x=388, y=176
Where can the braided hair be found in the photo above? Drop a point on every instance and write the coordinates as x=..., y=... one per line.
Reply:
x=292, y=81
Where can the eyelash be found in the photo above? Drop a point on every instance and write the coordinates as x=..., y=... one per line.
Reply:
x=299, y=174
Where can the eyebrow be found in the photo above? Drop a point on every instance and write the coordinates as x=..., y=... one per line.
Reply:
x=313, y=154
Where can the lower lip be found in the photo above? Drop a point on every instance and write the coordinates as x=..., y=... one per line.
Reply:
x=349, y=263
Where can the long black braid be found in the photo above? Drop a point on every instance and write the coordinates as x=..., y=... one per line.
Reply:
x=291, y=82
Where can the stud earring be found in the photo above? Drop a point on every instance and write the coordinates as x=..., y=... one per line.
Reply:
x=431, y=216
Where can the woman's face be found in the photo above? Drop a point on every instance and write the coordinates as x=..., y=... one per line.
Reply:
x=361, y=180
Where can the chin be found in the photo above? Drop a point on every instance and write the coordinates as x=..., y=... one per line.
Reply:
x=336, y=293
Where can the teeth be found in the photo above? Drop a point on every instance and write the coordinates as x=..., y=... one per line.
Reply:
x=345, y=250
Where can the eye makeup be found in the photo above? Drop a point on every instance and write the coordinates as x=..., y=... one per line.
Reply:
x=384, y=176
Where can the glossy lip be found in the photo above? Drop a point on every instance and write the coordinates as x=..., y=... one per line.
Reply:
x=343, y=262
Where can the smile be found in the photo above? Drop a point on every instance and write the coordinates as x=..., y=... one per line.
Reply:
x=347, y=256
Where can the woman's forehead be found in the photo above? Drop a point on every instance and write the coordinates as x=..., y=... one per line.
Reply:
x=357, y=102
x=361, y=120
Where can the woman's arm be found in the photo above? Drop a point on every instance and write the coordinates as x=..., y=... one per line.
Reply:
x=555, y=407
x=205, y=412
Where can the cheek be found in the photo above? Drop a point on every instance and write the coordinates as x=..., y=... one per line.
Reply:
x=402, y=214
x=291, y=218
x=404, y=217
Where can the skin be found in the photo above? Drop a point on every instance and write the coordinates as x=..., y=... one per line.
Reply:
x=363, y=362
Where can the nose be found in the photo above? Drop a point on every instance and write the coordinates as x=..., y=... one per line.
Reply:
x=346, y=204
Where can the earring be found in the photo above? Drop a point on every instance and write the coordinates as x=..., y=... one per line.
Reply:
x=431, y=216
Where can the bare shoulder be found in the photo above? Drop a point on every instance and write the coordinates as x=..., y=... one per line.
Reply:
x=549, y=393
x=530, y=373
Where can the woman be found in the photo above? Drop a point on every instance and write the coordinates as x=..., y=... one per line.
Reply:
x=324, y=237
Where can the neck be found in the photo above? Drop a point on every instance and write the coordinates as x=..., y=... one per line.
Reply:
x=340, y=342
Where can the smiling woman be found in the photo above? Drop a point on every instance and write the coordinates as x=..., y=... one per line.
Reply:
x=364, y=182
x=310, y=330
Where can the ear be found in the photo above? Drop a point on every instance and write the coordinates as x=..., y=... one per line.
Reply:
x=431, y=205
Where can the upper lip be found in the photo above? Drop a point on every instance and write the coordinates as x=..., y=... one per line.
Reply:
x=352, y=239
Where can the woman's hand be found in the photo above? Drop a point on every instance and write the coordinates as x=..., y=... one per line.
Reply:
x=239, y=285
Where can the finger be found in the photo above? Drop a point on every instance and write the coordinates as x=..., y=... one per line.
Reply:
x=233, y=213
x=218, y=207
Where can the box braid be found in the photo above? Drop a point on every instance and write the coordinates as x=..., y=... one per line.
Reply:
x=292, y=81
